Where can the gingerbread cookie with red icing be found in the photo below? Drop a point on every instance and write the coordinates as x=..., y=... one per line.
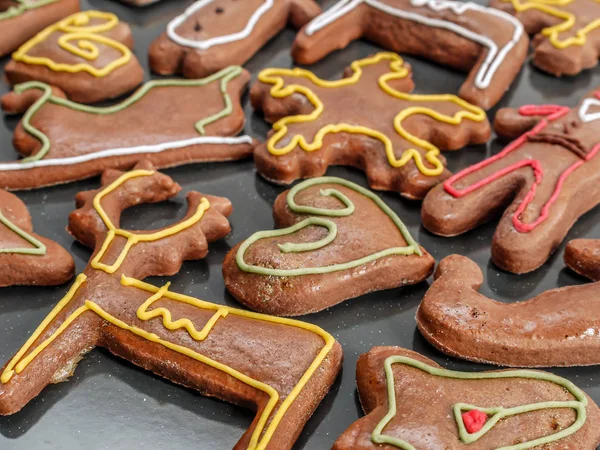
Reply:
x=489, y=44
x=555, y=328
x=411, y=402
x=280, y=368
x=21, y=20
x=311, y=262
x=213, y=34
x=566, y=33
x=583, y=256
x=540, y=184
x=368, y=120
x=87, y=55
x=64, y=141
x=25, y=257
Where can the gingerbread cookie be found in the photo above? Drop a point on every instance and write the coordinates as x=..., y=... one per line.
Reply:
x=542, y=182
x=20, y=20
x=312, y=261
x=282, y=368
x=567, y=32
x=87, y=55
x=489, y=44
x=413, y=403
x=583, y=256
x=25, y=257
x=556, y=328
x=367, y=120
x=140, y=2
x=66, y=141
x=213, y=34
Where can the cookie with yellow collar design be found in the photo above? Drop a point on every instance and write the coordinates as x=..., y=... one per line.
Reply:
x=87, y=55
x=367, y=120
x=567, y=32
x=281, y=368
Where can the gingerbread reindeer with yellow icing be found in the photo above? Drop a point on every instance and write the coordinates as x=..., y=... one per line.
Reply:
x=281, y=367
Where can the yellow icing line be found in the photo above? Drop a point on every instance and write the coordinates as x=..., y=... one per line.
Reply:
x=398, y=71
x=75, y=29
x=569, y=20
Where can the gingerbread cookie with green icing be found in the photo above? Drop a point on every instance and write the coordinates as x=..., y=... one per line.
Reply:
x=212, y=34
x=555, y=328
x=412, y=403
x=25, y=257
x=20, y=20
x=489, y=44
x=64, y=141
x=583, y=256
x=367, y=120
x=87, y=55
x=335, y=240
x=566, y=32
x=278, y=367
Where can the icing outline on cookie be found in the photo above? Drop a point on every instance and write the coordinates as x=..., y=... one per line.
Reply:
x=219, y=40
x=412, y=248
x=584, y=115
x=494, y=57
x=39, y=248
x=23, y=7
x=397, y=71
x=498, y=413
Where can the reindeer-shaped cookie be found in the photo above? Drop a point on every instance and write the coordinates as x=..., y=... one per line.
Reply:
x=281, y=367
x=366, y=120
x=213, y=34
x=542, y=182
x=567, y=32
x=411, y=403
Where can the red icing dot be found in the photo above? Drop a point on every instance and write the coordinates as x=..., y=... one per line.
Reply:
x=474, y=420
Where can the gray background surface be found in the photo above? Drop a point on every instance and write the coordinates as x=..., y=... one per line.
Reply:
x=110, y=404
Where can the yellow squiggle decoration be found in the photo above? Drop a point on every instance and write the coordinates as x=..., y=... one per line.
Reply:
x=398, y=71
x=569, y=20
x=76, y=28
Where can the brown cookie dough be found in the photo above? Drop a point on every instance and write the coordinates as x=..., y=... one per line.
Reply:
x=412, y=402
x=583, y=256
x=556, y=328
x=213, y=34
x=335, y=241
x=489, y=44
x=280, y=368
x=567, y=33
x=20, y=21
x=87, y=55
x=169, y=122
x=540, y=184
x=25, y=257
x=368, y=120
x=140, y=2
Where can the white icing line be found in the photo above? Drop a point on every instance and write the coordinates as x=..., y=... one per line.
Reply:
x=494, y=57
x=583, y=111
x=158, y=148
x=220, y=40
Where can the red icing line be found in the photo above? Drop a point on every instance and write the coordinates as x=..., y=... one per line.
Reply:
x=553, y=112
x=474, y=420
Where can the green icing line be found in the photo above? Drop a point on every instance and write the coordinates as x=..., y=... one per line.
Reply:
x=15, y=11
x=224, y=75
x=497, y=413
x=412, y=248
x=40, y=249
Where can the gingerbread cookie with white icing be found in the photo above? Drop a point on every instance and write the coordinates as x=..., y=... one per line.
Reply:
x=213, y=34
x=489, y=44
x=412, y=403
x=368, y=120
x=540, y=184
x=312, y=260
x=25, y=257
x=64, y=141
x=20, y=20
x=566, y=33
x=280, y=368
x=87, y=55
